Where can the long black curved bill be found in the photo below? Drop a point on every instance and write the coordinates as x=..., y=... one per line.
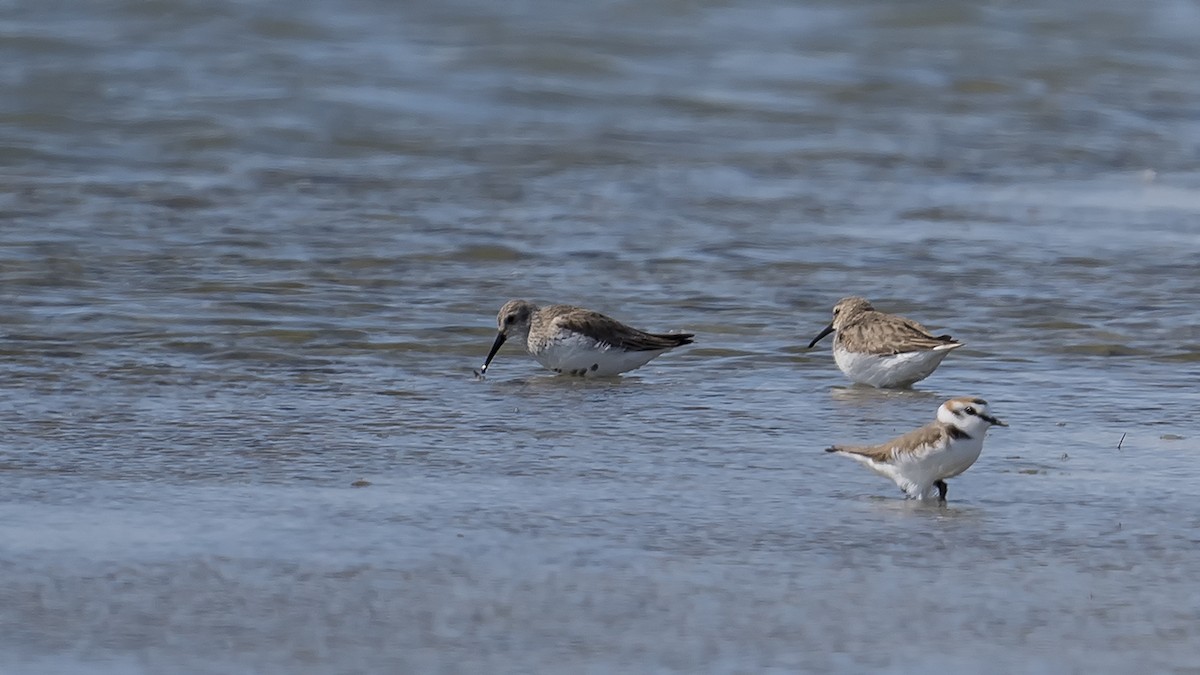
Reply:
x=500, y=338
x=820, y=336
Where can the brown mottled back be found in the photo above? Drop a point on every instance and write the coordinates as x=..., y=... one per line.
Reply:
x=861, y=328
x=551, y=320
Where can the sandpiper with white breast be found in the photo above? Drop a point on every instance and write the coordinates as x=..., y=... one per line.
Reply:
x=882, y=350
x=576, y=341
x=924, y=458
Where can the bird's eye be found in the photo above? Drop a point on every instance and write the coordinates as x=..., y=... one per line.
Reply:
x=969, y=410
x=508, y=319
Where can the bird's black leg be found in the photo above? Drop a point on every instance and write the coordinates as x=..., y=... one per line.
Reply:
x=942, y=489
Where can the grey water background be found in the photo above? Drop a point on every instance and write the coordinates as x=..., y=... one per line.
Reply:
x=251, y=251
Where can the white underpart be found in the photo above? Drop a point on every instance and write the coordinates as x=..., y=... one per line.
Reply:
x=576, y=352
x=890, y=370
x=916, y=473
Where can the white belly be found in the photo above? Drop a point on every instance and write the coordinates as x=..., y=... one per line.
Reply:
x=582, y=356
x=916, y=474
x=888, y=370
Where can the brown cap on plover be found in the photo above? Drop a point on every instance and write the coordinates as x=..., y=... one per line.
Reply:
x=882, y=350
x=576, y=341
x=924, y=458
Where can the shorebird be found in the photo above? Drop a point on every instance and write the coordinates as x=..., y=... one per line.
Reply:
x=576, y=341
x=924, y=458
x=882, y=350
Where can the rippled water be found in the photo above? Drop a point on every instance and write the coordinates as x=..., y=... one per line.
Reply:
x=251, y=251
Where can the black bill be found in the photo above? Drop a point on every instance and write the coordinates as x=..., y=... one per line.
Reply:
x=821, y=336
x=500, y=338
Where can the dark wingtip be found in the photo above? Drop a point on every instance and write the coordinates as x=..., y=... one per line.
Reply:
x=945, y=338
x=832, y=449
x=674, y=339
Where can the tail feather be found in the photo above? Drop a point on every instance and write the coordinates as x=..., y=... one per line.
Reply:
x=859, y=452
x=948, y=343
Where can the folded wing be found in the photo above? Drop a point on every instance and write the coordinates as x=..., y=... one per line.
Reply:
x=889, y=334
x=612, y=332
x=914, y=442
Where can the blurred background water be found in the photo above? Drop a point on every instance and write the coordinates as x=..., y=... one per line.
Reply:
x=251, y=250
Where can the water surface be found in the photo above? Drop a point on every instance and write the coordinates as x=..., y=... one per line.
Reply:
x=250, y=253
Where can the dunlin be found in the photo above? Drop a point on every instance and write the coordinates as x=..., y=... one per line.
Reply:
x=882, y=350
x=576, y=341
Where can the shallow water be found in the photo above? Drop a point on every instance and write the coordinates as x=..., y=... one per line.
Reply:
x=251, y=252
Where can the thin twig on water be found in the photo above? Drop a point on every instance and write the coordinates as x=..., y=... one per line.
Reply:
x=1120, y=441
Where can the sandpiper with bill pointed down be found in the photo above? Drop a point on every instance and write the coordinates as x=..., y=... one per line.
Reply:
x=575, y=341
x=923, y=459
x=880, y=349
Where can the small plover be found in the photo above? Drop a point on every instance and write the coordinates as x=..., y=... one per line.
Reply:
x=924, y=458
x=882, y=350
x=576, y=341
